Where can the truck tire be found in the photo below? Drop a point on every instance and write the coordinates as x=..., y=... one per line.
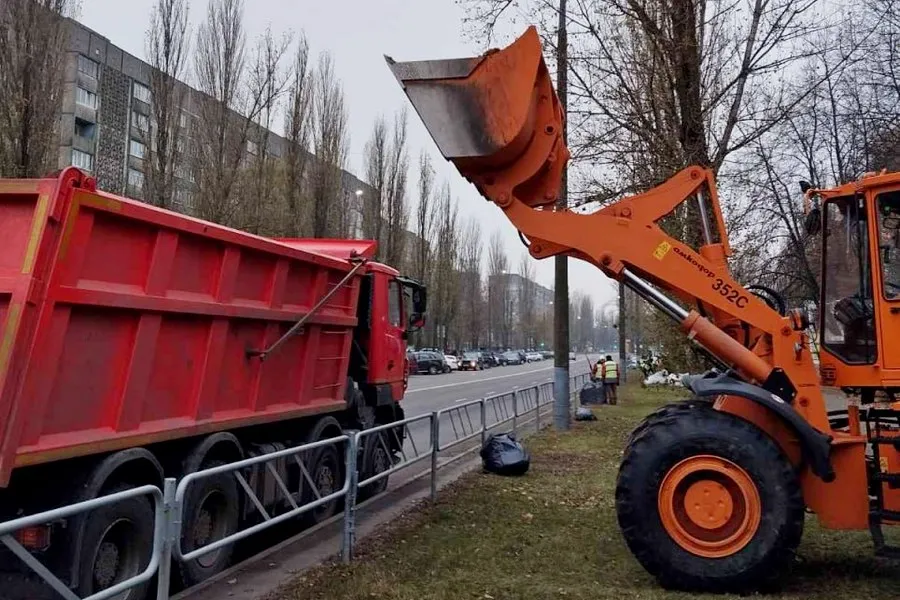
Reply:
x=326, y=469
x=376, y=459
x=116, y=545
x=708, y=503
x=211, y=512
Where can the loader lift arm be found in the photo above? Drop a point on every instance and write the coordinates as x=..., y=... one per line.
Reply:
x=498, y=119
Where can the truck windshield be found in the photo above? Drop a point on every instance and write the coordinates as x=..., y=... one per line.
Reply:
x=848, y=325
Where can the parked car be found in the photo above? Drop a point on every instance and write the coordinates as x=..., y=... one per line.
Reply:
x=512, y=358
x=452, y=362
x=487, y=359
x=533, y=357
x=431, y=363
x=471, y=361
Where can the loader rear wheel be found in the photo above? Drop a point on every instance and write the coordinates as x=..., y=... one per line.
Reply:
x=708, y=503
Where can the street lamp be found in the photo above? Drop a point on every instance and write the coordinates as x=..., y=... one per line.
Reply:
x=359, y=193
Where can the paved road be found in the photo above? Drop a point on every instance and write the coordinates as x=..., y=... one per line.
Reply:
x=452, y=391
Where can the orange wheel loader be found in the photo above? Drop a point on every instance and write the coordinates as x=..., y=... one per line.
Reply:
x=711, y=493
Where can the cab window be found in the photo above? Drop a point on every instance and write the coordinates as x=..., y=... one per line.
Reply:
x=889, y=243
x=848, y=324
x=394, y=312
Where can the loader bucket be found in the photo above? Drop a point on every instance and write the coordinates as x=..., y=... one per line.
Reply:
x=496, y=117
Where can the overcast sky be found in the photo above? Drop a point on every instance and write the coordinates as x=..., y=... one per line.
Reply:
x=359, y=33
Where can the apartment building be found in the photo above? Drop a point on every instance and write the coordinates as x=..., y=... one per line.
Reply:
x=106, y=120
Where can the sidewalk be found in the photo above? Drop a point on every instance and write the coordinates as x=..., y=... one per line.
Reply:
x=553, y=534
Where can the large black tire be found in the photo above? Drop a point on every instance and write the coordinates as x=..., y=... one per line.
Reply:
x=432, y=370
x=326, y=469
x=671, y=409
x=376, y=459
x=117, y=545
x=211, y=512
x=682, y=435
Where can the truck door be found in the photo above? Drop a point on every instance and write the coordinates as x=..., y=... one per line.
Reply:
x=395, y=335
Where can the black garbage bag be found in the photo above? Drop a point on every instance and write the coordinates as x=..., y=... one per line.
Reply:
x=583, y=413
x=592, y=392
x=503, y=455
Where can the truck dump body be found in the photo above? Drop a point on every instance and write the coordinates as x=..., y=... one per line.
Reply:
x=123, y=325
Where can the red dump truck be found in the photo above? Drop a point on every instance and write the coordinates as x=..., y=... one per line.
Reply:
x=138, y=344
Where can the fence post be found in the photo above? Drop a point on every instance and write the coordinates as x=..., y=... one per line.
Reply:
x=171, y=535
x=349, y=532
x=435, y=446
x=483, y=406
x=515, y=410
x=537, y=408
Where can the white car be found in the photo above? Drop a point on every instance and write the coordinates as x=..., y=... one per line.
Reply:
x=533, y=357
x=452, y=362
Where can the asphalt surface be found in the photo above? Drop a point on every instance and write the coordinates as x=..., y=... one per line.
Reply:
x=452, y=393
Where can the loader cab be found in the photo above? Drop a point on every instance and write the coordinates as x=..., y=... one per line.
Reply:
x=859, y=316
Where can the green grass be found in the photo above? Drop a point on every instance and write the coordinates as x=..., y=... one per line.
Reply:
x=553, y=534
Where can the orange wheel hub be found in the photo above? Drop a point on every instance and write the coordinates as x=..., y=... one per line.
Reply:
x=709, y=506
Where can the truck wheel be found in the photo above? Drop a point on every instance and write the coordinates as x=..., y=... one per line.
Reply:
x=211, y=512
x=116, y=546
x=708, y=503
x=326, y=470
x=432, y=370
x=376, y=459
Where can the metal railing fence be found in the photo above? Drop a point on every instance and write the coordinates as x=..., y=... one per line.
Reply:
x=443, y=430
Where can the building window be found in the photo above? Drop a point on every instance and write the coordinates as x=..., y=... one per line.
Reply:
x=135, y=179
x=137, y=149
x=183, y=120
x=252, y=147
x=85, y=129
x=82, y=160
x=85, y=98
x=87, y=66
x=142, y=92
x=140, y=122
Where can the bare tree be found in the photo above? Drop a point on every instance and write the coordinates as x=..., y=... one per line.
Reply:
x=444, y=299
x=528, y=310
x=267, y=81
x=470, y=288
x=32, y=59
x=219, y=64
x=426, y=218
x=298, y=124
x=329, y=141
x=386, y=216
x=376, y=158
x=498, y=293
x=167, y=42
x=231, y=106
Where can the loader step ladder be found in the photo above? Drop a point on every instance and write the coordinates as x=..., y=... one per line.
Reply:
x=882, y=429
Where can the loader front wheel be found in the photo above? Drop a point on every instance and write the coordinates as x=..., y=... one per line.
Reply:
x=708, y=503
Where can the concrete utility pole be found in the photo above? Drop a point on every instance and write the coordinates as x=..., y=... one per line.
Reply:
x=561, y=414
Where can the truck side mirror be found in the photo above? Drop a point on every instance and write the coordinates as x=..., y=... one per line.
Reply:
x=416, y=322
